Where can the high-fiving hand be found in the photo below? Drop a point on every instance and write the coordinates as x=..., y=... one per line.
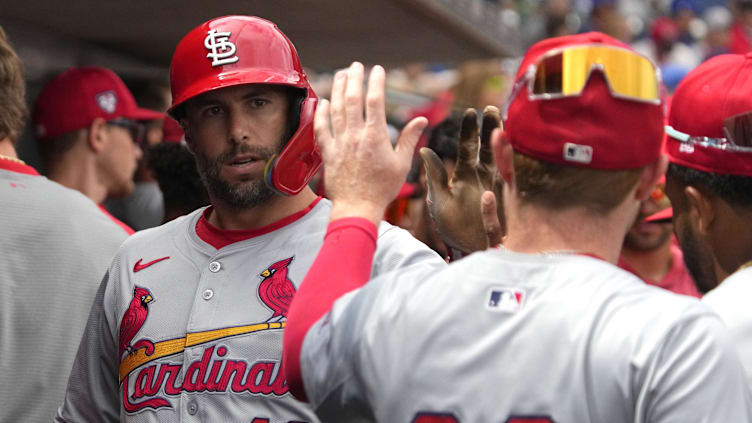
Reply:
x=466, y=215
x=363, y=171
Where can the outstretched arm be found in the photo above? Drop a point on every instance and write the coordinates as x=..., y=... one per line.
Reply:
x=363, y=174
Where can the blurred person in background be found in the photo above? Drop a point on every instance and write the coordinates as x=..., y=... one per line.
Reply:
x=89, y=129
x=672, y=56
x=606, y=17
x=718, y=38
x=650, y=250
x=741, y=30
x=55, y=245
x=173, y=167
x=683, y=13
x=144, y=207
x=443, y=140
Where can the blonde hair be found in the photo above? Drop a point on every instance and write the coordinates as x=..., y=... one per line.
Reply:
x=558, y=186
x=13, y=111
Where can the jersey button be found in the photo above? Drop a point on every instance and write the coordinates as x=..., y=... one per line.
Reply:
x=214, y=266
x=207, y=295
x=192, y=408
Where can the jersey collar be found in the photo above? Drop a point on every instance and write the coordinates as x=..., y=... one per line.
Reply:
x=219, y=238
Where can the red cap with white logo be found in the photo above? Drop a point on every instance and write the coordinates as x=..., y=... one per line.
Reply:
x=716, y=90
x=73, y=99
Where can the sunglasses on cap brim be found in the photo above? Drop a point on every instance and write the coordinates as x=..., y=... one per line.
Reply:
x=564, y=72
x=738, y=131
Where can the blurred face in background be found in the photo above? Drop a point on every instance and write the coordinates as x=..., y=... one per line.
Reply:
x=644, y=236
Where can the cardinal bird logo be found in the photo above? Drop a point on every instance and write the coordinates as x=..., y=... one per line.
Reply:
x=133, y=319
x=276, y=290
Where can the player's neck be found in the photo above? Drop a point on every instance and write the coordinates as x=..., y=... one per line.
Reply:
x=653, y=264
x=7, y=149
x=274, y=209
x=536, y=230
x=79, y=173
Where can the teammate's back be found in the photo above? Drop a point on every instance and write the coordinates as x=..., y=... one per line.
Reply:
x=560, y=336
x=55, y=247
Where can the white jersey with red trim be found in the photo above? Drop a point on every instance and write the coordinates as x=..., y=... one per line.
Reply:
x=731, y=300
x=506, y=337
x=184, y=332
x=55, y=245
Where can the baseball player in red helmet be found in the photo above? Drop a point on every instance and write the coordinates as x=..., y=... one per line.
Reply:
x=545, y=329
x=187, y=325
x=709, y=182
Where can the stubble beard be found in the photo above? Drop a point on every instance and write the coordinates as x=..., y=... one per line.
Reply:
x=699, y=265
x=638, y=243
x=241, y=195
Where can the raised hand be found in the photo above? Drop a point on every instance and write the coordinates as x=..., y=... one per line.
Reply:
x=363, y=172
x=463, y=221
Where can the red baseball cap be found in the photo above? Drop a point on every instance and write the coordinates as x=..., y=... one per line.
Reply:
x=171, y=131
x=73, y=99
x=613, y=133
x=663, y=216
x=717, y=89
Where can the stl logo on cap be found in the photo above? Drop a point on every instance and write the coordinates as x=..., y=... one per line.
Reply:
x=222, y=50
x=107, y=101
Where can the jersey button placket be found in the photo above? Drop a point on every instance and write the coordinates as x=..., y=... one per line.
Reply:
x=192, y=407
x=207, y=294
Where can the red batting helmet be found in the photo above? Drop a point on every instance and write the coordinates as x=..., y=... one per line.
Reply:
x=235, y=50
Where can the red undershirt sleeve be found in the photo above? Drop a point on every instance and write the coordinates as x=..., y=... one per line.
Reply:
x=349, y=245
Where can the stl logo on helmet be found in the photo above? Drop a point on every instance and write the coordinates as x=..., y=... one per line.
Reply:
x=221, y=49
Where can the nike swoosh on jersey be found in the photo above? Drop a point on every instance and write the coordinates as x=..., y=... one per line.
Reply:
x=138, y=266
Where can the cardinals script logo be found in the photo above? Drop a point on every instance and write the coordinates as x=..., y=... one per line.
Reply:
x=147, y=384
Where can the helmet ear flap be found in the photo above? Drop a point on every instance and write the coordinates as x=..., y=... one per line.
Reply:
x=289, y=171
x=297, y=97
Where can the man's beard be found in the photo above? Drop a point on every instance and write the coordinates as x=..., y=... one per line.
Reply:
x=242, y=195
x=636, y=242
x=698, y=263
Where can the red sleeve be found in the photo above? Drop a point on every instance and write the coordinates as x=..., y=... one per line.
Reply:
x=342, y=265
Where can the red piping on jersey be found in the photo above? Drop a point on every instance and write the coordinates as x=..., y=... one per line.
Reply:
x=125, y=227
x=342, y=265
x=219, y=238
x=17, y=167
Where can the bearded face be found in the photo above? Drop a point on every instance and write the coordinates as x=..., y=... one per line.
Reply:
x=233, y=132
x=248, y=192
x=698, y=258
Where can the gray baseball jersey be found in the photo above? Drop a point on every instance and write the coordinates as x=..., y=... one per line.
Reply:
x=508, y=337
x=731, y=300
x=184, y=332
x=55, y=245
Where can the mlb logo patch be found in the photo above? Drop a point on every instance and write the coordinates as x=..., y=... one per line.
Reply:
x=505, y=299
x=107, y=101
x=578, y=153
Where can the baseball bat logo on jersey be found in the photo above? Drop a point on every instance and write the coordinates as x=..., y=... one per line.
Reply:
x=276, y=289
x=146, y=386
